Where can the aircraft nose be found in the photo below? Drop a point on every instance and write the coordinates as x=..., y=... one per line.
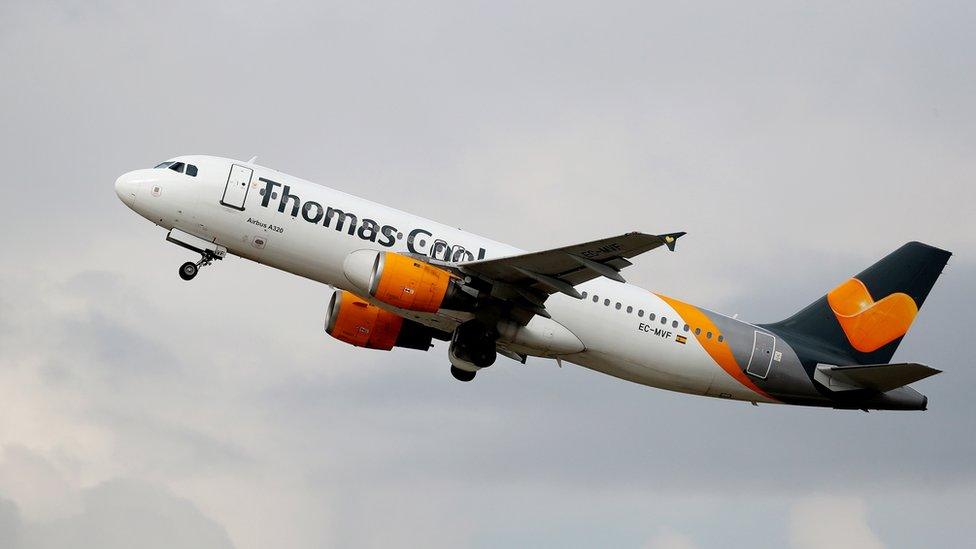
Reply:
x=125, y=188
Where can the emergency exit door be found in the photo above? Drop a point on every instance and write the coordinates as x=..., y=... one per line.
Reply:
x=238, y=182
x=763, y=346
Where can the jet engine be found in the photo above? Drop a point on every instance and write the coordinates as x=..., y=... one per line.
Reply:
x=355, y=321
x=405, y=282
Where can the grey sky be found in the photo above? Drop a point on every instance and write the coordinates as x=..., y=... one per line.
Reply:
x=796, y=143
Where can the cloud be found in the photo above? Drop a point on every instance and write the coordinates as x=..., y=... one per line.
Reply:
x=11, y=528
x=330, y=435
x=831, y=522
x=121, y=513
x=796, y=144
x=671, y=540
x=38, y=488
x=41, y=509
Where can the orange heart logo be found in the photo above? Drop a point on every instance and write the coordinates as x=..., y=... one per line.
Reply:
x=869, y=324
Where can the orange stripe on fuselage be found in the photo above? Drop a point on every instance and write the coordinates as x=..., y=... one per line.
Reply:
x=721, y=353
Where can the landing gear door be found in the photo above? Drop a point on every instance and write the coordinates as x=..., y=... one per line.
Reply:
x=238, y=182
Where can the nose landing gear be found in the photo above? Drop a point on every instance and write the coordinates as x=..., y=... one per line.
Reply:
x=208, y=250
x=190, y=269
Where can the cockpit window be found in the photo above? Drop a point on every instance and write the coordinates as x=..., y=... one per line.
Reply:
x=178, y=167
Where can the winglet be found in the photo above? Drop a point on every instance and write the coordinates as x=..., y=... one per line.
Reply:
x=671, y=238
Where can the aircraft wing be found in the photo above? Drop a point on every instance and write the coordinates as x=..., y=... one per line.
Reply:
x=534, y=276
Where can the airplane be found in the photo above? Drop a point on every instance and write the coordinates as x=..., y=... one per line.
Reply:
x=403, y=281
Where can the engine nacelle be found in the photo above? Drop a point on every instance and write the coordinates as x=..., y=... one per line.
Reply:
x=355, y=321
x=405, y=282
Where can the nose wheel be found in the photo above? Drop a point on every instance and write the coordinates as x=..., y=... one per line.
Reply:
x=190, y=269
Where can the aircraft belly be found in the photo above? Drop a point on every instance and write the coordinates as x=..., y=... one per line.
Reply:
x=645, y=374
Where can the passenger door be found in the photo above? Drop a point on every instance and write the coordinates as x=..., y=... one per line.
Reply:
x=238, y=182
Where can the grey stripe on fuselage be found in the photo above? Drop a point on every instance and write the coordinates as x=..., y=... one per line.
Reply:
x=786, y=379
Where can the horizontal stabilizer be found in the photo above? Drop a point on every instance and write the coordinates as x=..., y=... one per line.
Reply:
x=876, y=377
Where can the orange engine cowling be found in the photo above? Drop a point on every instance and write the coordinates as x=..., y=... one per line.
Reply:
x=404, y=282
x=355, y=321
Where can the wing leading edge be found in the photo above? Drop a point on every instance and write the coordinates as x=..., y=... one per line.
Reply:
x=534, y=276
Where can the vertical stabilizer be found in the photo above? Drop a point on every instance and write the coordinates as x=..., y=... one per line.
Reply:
x=866, y=316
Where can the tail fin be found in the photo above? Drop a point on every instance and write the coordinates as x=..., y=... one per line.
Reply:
x=867, y=316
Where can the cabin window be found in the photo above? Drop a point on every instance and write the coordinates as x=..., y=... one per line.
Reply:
x=664, y=320
x=674, y=324
x=618, y=306
x=687, y=327
x=697, y=331
x=629, y=309
x=640, y=313
x=709, y=335
x=651, y=316
x=596, y=298
x=606, y=302
x=721, y=338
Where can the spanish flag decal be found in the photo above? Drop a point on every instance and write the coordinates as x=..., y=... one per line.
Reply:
x=681, y=339
x=720, y=351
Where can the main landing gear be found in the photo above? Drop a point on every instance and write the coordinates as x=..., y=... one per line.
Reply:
x=462, y=375
x=190, y=269
x=472, y=348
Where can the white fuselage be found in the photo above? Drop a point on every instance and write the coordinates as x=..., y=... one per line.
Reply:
x=617, y=340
